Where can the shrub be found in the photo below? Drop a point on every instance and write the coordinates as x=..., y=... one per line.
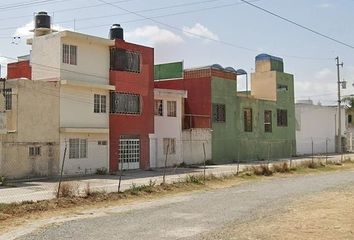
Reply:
x=281, y=168
x=182, y=165
x=195, y=179
x=262, y=170
x=2, y=181
x=101, y=171
x=68, y=190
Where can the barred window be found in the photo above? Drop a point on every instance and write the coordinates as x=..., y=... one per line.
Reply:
x=124, y=60
x=100, y=103
x=171, y=108
x=70, y=54
x=219, y=113
x=8, y=98
x=34, y=151
x=125, y=103
x=282, y=117
x=77, y=148
x=267, y=121
x=170, y=144
x=158, y=109
x=247, y=119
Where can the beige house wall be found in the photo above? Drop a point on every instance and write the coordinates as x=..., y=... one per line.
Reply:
x=264, y=85
x=33, y=121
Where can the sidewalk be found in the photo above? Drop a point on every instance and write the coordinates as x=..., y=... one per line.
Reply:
x=45, y=189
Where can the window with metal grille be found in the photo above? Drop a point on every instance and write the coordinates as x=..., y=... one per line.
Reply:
x=125, y=103
x=219, y=114
x=170, y=144
x=129, y=149
x=77, y=148
x=100, y=103
x=8, y=98
x=247, y=119
x=124, y=60
x=282, y=117
x=171, y=108
x=267, y=121
x=158, y=108
x=70, y=54
x=34, y=151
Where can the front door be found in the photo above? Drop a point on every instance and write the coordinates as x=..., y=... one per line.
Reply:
x=129, y=152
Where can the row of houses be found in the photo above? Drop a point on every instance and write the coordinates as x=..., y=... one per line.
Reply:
x=90, y=103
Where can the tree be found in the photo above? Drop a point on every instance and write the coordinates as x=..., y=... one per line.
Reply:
x=349, y=101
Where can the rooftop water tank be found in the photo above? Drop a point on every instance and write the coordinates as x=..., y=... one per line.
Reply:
x=116, y=32
x=42, y=20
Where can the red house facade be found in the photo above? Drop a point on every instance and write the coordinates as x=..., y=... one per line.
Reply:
x=21, y=69
x=131, y=115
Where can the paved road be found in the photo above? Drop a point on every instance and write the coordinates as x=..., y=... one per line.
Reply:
x=192, y=216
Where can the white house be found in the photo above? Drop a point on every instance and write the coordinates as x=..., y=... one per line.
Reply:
x=316, y=127
x=80, y=64
x=168, y=127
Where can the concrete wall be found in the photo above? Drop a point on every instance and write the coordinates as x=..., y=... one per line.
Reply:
x=77, y=108
x=33, y=121
x=193, y=139
x=316, y=124
x=169, y=127
x=97, y=155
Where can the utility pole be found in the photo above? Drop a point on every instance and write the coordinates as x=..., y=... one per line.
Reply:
x=339, y=82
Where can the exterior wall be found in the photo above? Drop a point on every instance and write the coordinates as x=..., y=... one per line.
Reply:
x=197, y=107
x=92, y=62
x=317, y=124
x=350, y=128
x=33, y=121
x=97, y=155
x=264, y=85
x=21, y=69
x=231, y=142
x=123, y=124
x=46, y=57
x=77, y=108
x=169, y=127
x=193, y=139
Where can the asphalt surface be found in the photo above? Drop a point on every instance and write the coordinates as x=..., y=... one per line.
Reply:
x=192, y=216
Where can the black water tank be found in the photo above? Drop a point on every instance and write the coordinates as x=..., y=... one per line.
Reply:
x=42, y=20
x=116, y=32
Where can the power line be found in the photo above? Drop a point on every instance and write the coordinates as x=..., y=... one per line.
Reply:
x=29, y=4
x=201, y=36
x=298, y=24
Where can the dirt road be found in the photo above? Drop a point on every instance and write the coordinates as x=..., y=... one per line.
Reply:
x=301, y=207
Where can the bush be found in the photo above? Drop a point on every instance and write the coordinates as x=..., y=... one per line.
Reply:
x=101, y=171
x=2, y=181
x=281, y=168
x=68, y=190
x=196, y=179
x=262, y=170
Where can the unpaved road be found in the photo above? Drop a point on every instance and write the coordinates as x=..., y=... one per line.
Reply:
x=239, y=212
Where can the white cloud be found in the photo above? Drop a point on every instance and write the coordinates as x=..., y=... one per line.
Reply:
x=154, y=35
x=25, y=30
x=325, y=74
x=198, y=30
x=325, y=5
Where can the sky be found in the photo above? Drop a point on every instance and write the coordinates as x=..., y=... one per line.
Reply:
x=204, y=32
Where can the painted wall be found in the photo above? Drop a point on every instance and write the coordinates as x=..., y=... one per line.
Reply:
x=77, y=108
x=169, y=127
x=193, y=139
x=316, y=124
x=33, y=121
x=21, y=69
x=123, y=124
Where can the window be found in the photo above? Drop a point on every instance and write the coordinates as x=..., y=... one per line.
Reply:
x=171, y=109
x=170, y=144
x=99, y=105
x=282, y=88
x=124, y=60
x=77, y=148
x=125, y=103
x=247, y=119
x=102, y=143
x=267, y=121
x=282, y=117
x=34, y=151
x=8, y=98
x=350, y=119
x=158, y=109
x=70, y=54
x=219, y=114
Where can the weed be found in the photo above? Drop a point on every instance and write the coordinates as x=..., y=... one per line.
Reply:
x=182, y=165
x=209, y=162
x=281, y=168
x=68, y=190
x=262, y=170
x=101, y=171
x=2, y=181
x=88, y=191
x=195, y=179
